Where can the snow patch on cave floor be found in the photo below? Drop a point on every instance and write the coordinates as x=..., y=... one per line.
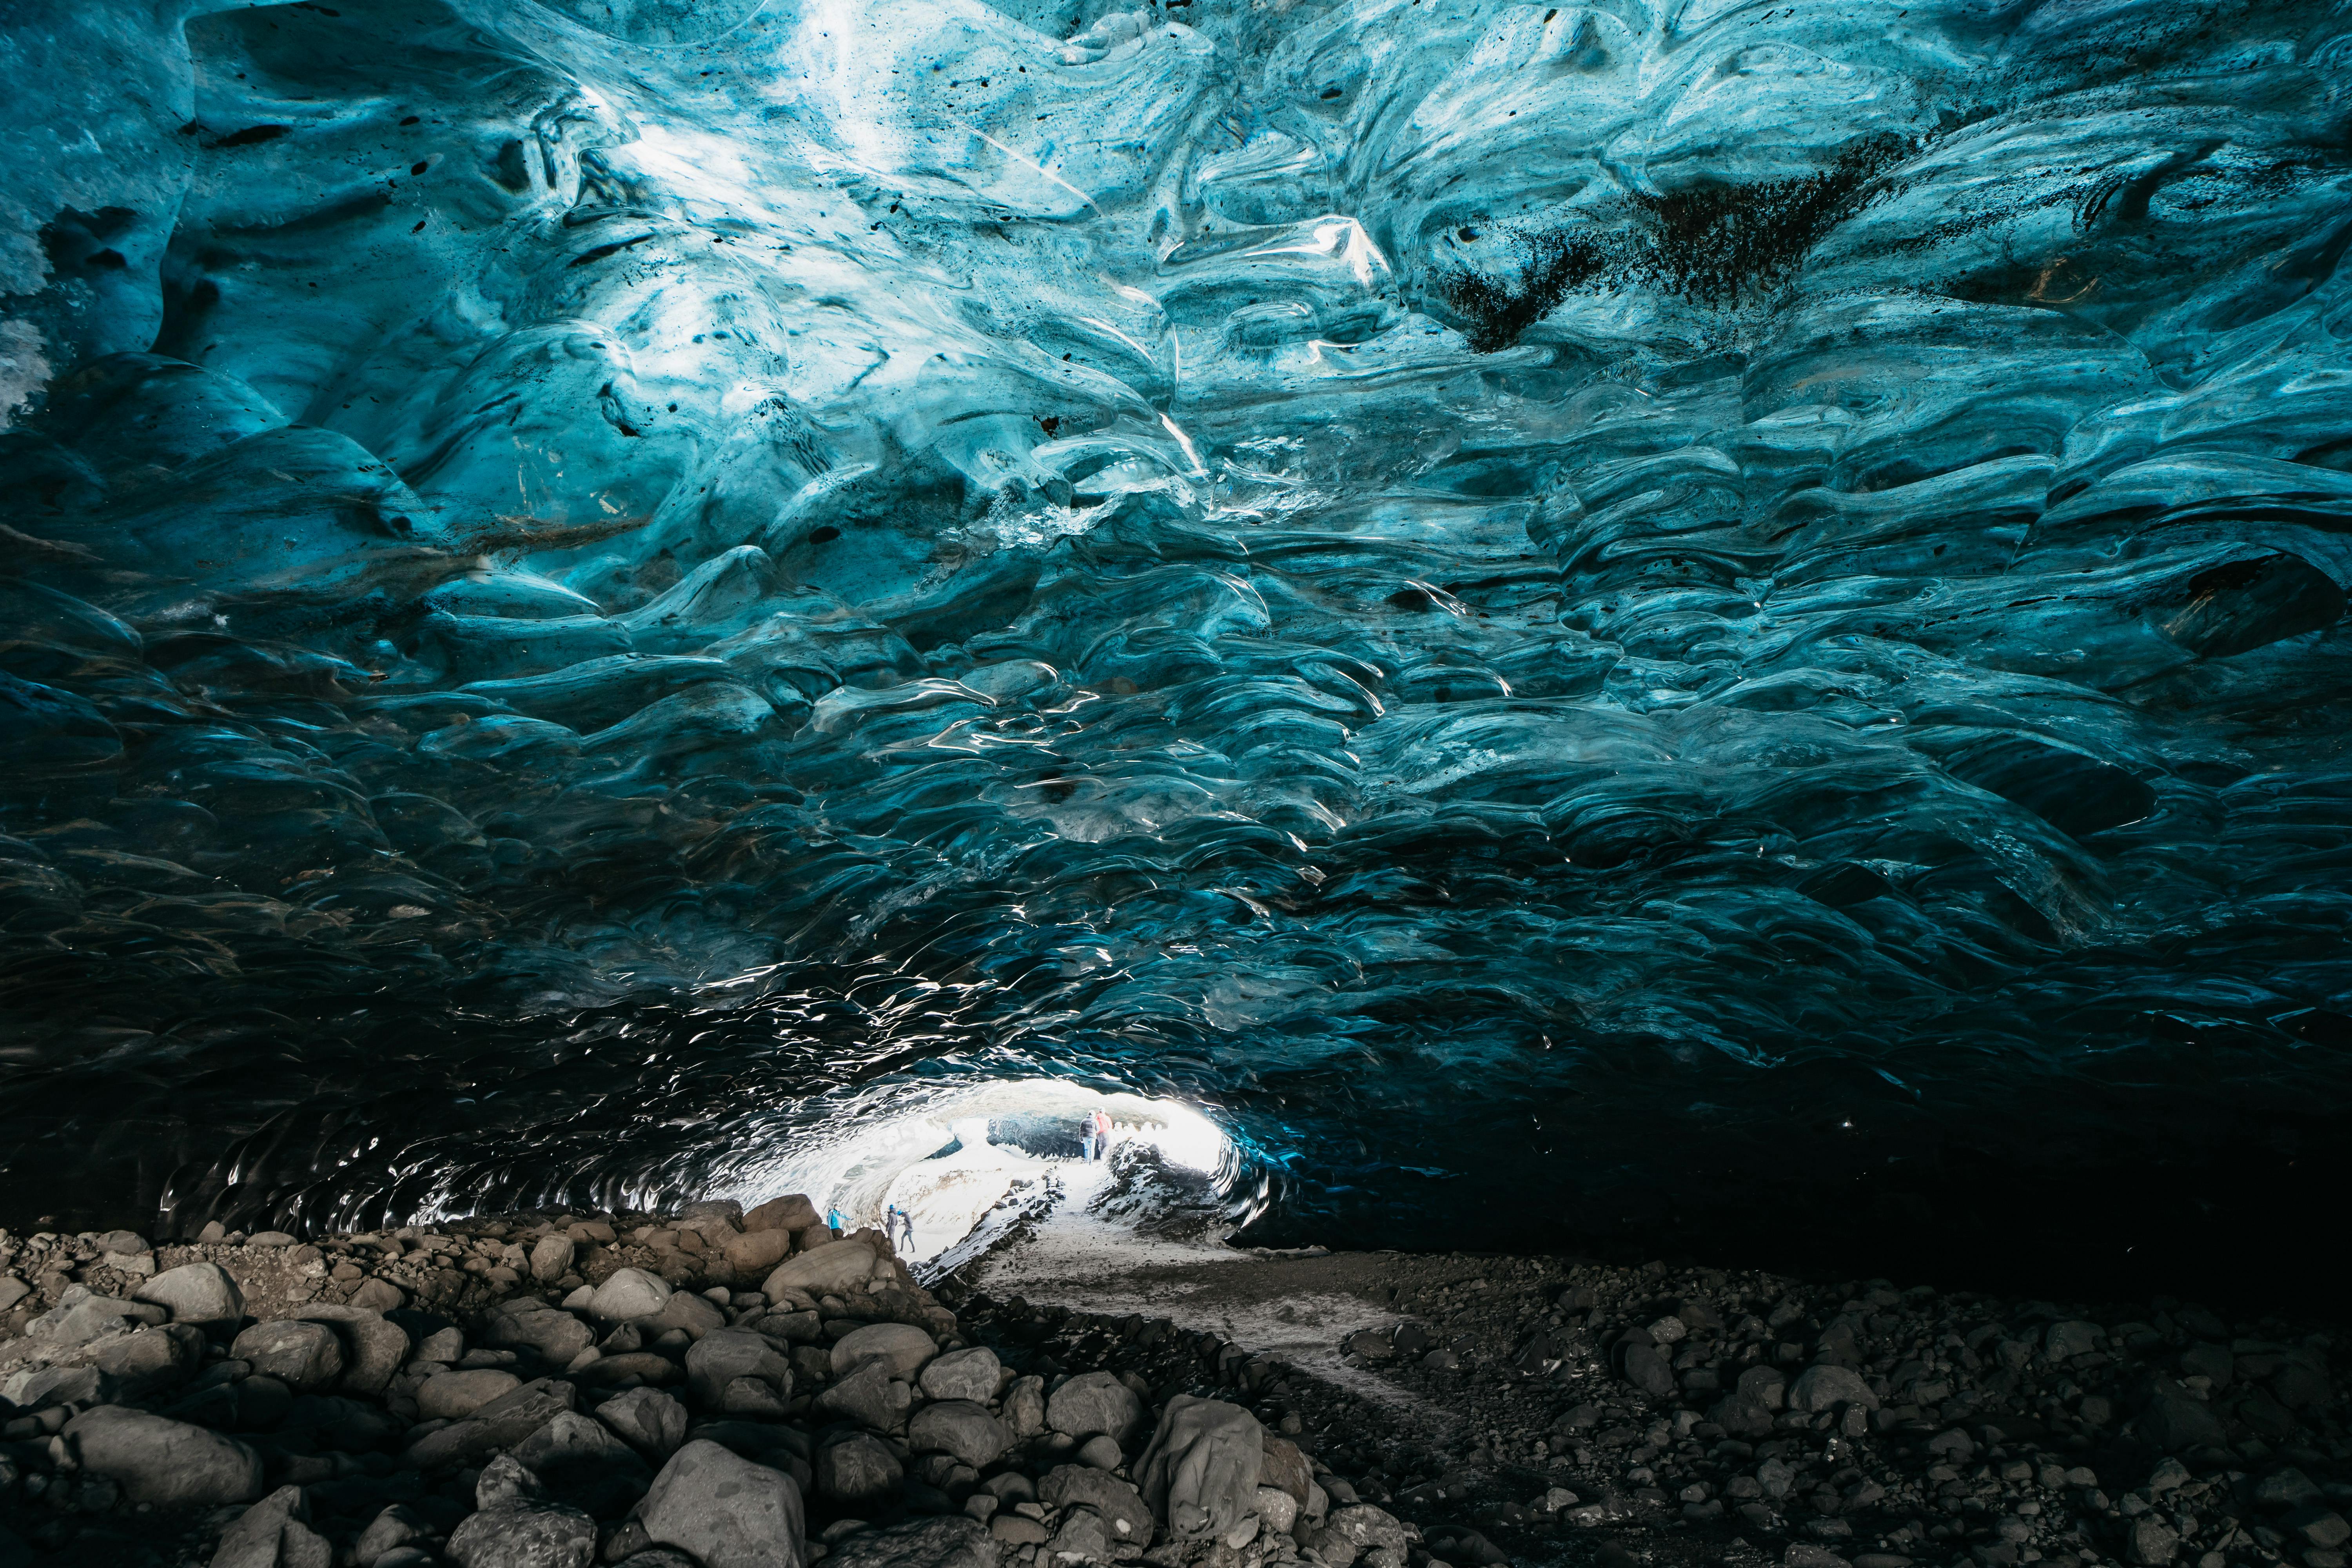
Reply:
x=1088, y=1241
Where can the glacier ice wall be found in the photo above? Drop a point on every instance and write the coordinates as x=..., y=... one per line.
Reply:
x=1575, y=615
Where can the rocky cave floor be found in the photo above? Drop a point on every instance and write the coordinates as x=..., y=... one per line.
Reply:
x=533, y=1390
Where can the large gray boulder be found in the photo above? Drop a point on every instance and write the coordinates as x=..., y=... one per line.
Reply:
x=963, y=1427
x=1201, y=1473
x=275, y=1533
x=501, y=1424
x=826, y=1271
x=305, y=1357
x=903, y=1346
x=2072, y=1337
x=722, y=1355
x=506, y=1483
x=84, y=1316
x=1765, y=1385
x=756, y=1397
x=1644, y=1366
x=1096, y=1402
x=1361, y=1530
x=790, y=1213
x=1741, y=1416
x=517, y=1525
x=1822, y=1386
x=629, y=1293
x=1123, y=1510
x=971, y=1373
x=530, y=1535
x=584, y=1464
x=158, y=1460
x=630, y=1369
x=551, y=1258
x=397, y=1526
x=857, y=1470
x=2174, y=1419
x=755, y=1254
x=2322, y=1529
x=526, y=1322
x=651, y=1422
x=955, y=1542
x=374, y=1347
x=654, y=1557
x=1284, y=1466
x=1278, y=1510
x=148, y=1360
x=2150, y=1542
x=1084, y=1536
x=1024, y=1406
x=454, y=1395
x=37, y=1388
x=199, y=1293
x=869, y=1396
x=726, y=1511
x=687, y=1310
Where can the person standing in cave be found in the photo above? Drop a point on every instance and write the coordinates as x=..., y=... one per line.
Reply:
x=907, y=1227
x=890, y=1218
x=1087, y=1138
x=1102, y=1134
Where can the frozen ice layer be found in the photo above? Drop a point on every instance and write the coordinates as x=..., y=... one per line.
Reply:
x=1606, y=603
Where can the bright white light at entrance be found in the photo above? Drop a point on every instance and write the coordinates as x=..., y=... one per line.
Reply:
x=1187, y=1137
x=949, y=1157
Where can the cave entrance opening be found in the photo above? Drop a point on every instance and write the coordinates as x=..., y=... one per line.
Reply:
x=956, y=1160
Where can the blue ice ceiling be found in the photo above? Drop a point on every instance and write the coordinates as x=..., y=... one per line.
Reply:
x=1585, y=602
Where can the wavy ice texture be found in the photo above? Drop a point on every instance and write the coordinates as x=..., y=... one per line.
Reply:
x=1633, y=601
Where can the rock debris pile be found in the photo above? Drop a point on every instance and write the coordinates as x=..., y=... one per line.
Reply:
x=713, y=1389
x=718, y=1389
x=1866, y=1425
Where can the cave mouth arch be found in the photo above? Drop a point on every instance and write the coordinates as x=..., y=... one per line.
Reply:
x=957, y=1157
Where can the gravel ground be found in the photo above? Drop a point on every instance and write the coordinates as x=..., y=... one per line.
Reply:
x=1557, y=1409
x=1447, y=1410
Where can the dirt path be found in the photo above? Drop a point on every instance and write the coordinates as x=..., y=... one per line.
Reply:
x=1299, y=1307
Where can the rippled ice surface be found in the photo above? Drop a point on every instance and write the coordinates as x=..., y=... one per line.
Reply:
x=1584, y=609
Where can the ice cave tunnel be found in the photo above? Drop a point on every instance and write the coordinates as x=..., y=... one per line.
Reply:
x=1654, y=625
